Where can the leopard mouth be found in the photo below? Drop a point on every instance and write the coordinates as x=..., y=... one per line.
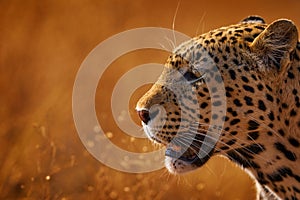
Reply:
x=191, y=155
x=182, y=148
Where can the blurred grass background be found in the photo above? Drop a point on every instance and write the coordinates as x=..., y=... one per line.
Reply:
x=42, y=44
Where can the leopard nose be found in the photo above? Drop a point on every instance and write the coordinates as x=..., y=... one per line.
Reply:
x=144, y=115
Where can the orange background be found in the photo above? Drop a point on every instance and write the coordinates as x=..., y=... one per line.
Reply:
x=43, y=43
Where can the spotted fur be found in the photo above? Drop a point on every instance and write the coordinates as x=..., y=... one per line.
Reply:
x=252, y=70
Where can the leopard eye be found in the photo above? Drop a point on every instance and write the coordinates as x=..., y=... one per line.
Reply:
x=190, y=76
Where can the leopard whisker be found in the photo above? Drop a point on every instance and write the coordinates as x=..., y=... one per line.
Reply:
x=187, y=144
x=173, y=24
x=240, y=146
x=171, y=43
x=200, y=21
x=266, y=126
x=222, y=130
x=229, y=155
x=235, y=137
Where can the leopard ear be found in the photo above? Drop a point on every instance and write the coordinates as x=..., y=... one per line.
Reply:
x=273, y=46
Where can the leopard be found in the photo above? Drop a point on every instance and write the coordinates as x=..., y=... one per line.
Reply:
x=232, y=92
